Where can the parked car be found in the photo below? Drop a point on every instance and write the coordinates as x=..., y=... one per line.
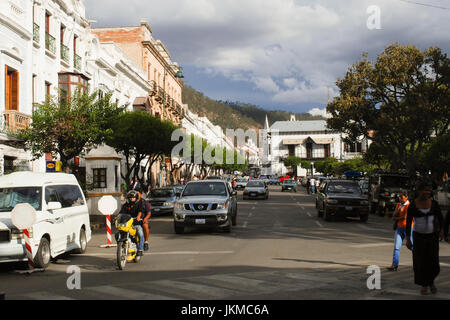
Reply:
x=207, y=203
x=241, y=183
x=162, y=200
x=264, y=178
x=62, y=214
x=383, y=191
x=281, y=179
x=289, y=184
x=274, y=181
x=214, y=178
x=342, y=198
x=256, y=189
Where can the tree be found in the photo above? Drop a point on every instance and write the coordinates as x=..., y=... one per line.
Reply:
x=292, y=162
x=69, y=127
x=139, y=135
x=436, y=156
x=399, y=102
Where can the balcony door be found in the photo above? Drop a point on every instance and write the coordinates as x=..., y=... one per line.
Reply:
x=11, y=89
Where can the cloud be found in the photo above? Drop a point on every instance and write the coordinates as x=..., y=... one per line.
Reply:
x=292, y=51
x=319, y=112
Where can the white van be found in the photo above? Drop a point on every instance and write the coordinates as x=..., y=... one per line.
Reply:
x=62, y=216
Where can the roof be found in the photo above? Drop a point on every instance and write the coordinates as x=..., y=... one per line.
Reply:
x=27, y=178
x=298, y=126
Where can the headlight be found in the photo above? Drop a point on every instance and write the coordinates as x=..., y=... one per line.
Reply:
x=179, y=205
x=332, y=201
x=364, y=202
x=221, y=206
x=17, y=234
x=168, y=204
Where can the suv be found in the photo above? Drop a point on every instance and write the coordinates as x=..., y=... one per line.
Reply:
x=162, y=200
x=341, y=197
x=206, y=203
x=62, y=216
x=383, y=190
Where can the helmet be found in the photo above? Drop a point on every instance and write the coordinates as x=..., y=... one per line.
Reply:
x=132, y=194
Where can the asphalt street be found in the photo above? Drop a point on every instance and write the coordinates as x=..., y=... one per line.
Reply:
x=279, y=250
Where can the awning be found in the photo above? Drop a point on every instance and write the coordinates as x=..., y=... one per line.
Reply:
x=293, y=141
x=322, y=140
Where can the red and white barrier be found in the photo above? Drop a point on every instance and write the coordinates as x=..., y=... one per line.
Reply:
x=107, y=205
x=108, y=229
x=28, y=248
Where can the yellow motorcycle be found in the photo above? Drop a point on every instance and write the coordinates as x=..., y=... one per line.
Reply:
x=127, y=240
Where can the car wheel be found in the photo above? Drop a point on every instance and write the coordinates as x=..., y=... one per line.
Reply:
x=83, y=242
x=227, y=229
x=234, y=219
x=178, y=229
x=43, y=255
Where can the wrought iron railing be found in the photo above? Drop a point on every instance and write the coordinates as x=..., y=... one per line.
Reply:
x=65, y=53
x=50, y=43
x=76, y=61
x=36, y=34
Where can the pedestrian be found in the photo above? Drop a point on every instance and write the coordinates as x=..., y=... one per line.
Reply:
x=308, y=185
x=428, y=227
x=399, y=216
x=313, y=185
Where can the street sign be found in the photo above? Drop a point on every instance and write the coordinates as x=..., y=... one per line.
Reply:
x=23, y=216
x=107, y=205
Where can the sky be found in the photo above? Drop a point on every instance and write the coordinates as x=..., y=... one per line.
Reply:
x=277, y=54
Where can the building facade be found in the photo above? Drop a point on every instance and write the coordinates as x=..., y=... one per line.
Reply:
x=308, y=140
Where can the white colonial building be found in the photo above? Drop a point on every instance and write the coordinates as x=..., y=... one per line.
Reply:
x=309, y=140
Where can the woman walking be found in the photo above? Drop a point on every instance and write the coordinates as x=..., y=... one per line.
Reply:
x=428, y=227
x=399, y=217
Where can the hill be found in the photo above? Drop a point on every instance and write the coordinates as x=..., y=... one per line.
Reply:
x=235, y=115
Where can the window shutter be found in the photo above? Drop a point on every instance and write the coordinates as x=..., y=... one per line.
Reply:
x=15, y=92
x=7, y=89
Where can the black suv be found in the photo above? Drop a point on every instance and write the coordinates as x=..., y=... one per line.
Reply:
x=384, y=189
x=341, y=198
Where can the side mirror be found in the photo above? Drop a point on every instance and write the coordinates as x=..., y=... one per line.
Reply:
x=53, y=205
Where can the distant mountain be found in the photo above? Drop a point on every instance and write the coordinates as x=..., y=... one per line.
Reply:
x=235, y=115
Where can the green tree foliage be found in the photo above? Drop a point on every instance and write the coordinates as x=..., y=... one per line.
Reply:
x=69, y=127
x=400, y=102
x=138, y=135
x=292, y=162
x=436, y=156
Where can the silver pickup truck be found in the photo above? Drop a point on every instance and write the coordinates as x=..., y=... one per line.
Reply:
x=206, y=203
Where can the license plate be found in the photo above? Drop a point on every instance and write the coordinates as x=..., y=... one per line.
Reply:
x=156, y=209
x=200, y=221
x=349, y=208
x=252, y=194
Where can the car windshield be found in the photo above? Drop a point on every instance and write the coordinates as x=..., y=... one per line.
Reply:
x=393, y=181
x=205, y=189
x=288, y=181
x=162, y=193
x=10, y=197
x=344, y=188
x=258, y=184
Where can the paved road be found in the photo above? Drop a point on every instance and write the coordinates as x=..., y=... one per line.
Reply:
x=280, y=250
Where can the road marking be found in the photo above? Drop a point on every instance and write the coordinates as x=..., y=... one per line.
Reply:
x=44, y=295
x=245, y=224
x=190, y=290
x=319, y=224
x=309, y=214
x=253, y=208
x=128, y=294
x=161, y=253
x=250, y=214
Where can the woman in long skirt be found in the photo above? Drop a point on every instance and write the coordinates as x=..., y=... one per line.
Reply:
x=428, y=227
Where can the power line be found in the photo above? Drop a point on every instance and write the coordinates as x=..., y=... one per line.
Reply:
x=426, y=5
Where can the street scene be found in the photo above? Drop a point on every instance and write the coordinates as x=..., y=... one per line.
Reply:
x=260, y=151
x=279, y=250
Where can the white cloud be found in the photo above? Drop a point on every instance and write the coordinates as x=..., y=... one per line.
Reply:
x=319, y=112
x=290, y=49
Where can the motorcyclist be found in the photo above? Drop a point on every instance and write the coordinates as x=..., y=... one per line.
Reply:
x=146, y=213
x=134, y=208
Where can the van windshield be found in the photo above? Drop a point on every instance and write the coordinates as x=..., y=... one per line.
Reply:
x=10, y=197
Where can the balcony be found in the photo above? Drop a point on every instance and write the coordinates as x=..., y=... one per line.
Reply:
x=50, y=43
x=36, y=34
x=77, y=62
x=15, y=121
x=65, y=53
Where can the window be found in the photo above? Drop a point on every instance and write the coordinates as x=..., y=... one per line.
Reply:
x=11, y=89
x=116, y=177
x=291, y=149
x=69, y=195
x=51, y=195
x=47, y=89
x=99, y=176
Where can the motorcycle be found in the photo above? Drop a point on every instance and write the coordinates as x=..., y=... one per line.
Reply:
x=127, y=240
